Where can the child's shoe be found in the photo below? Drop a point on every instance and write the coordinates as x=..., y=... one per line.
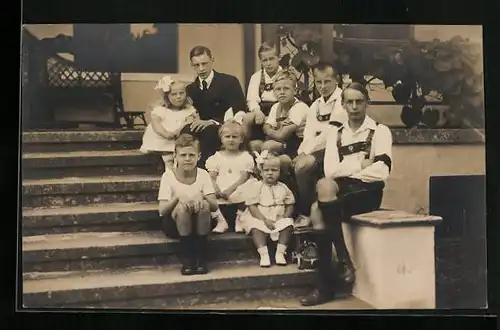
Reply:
x=265, y=261
x=280, y=255
x=222, y=225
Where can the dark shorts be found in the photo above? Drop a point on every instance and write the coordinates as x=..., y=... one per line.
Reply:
x=359, y=197
x=169, y=227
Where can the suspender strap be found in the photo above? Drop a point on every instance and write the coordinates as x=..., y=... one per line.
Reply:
x=339, y=143
x=262, y=84
x=354, y=147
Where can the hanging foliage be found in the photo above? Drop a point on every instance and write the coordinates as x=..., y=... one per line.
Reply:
x=411, y=70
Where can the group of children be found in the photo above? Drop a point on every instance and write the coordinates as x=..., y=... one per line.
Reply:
x=250, y=172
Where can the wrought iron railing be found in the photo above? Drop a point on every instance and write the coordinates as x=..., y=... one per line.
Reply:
x=51, y=82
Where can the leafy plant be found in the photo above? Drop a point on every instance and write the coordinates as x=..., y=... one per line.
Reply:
x=411, y=70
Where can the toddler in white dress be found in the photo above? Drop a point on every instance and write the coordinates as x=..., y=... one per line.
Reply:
x=168, y=119
x=231, y=170
x=269, y=211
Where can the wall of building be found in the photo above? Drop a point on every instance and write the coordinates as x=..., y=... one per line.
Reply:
x=408, y=186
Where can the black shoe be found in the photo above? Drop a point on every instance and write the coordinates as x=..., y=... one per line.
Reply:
x=201, y=268
x=317, y=297
x=188, y=269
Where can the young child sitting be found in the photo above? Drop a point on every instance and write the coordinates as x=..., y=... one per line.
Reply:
x=186, y=197
x=269, y=211
x=260, y=95
x=283, y=127
x=167, y=119
x=231, y=169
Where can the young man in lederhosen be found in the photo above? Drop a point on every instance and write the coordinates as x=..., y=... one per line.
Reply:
x=358, y=160
x=326, y=111
x=260, y=94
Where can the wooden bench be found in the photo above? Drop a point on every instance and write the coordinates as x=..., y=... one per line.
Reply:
x=393, y=253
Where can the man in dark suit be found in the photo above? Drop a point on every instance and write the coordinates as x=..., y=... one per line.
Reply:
x=213, y=94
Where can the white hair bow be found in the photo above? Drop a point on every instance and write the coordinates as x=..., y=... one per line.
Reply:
x=164, y=84
x=259, y=158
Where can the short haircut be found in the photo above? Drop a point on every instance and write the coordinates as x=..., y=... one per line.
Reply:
x=200, y=50
x=323, y=66
x=267, y=46
x=187, y=140
x=285, y=75
x=357, y=87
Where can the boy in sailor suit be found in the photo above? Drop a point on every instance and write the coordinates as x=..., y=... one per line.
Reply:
x=326, y=111
x=357, y=163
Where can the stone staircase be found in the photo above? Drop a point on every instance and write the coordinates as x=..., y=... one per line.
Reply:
x=91, y=235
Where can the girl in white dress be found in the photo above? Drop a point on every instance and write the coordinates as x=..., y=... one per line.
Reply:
x=167, y=119
x=269, y=211
x=231, y=169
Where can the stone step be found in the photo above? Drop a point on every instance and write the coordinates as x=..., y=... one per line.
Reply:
x=46, y=165
x=348, y=303
x=90, y=251
x=66, y=141
x=125, y=217
x=163, y=287
x=78, y=191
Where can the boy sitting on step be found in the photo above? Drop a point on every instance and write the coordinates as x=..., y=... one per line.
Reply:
x=186, y=197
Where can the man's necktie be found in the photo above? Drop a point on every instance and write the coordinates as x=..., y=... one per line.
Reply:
x=204, y=84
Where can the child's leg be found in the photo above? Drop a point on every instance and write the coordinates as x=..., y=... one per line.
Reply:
x=248, y=123
x=256, y=145
x=183, y=219
x=202, y=231
x=260, y=240
x=238, y=226
x=168, y=159
x=274, y=146
x=222, y=225
x=283, y=240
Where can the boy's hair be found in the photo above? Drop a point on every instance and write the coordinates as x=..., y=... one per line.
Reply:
x=187, y=140
x=267, y=46
x=323, y=66
x=358, y=87
x=285, y=75
x=200, y=50
x=234, y=125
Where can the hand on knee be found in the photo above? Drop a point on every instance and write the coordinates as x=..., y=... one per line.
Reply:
x=327, y=190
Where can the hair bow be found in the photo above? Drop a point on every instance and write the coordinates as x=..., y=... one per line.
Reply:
x=164, y=84
x=260, y=158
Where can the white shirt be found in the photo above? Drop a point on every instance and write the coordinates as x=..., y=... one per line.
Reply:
x=314, y=130
x=253, y=96
x=170, y=187
x=297, y=114
x=208, y=80
x=229, y=167
x=350, y=166
x=171, y=120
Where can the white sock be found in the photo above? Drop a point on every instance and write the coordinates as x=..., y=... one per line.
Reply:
x=280, y=248
x=216, y=213
x=263, y=251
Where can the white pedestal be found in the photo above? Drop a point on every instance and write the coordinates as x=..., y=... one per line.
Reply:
x=393, y=253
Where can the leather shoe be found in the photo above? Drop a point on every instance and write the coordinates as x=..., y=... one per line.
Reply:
x=317, y=297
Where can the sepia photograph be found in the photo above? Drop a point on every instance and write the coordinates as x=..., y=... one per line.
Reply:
x=252, y=167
